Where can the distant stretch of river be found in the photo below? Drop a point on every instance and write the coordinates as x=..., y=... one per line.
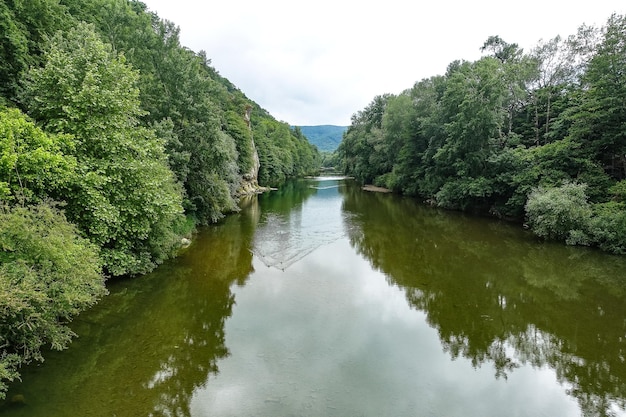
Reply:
x=321, y=299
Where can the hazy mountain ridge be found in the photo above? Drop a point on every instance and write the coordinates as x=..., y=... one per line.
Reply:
x=326, y=137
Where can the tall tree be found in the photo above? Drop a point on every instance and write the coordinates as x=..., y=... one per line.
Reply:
x=24, y=26
x=13, y=51
x=126, y=200
x=474, y=108
x=363, y=139
x=599, y=121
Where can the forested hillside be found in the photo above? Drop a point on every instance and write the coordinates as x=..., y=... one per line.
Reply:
x=326, y=137
x=115, y=141
x=536, y=136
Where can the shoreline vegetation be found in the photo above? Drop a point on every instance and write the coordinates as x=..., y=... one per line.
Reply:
x=116, y=143
x=535, y=136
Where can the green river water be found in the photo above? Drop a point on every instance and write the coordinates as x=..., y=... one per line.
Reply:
x=321, y=299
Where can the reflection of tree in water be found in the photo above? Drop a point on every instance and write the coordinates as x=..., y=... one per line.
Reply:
x=221, y=256
x=497, y=296
x=290, y=196
x=161, y=335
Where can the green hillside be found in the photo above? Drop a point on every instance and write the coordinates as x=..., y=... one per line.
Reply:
x=325, y=137
x=116, y=141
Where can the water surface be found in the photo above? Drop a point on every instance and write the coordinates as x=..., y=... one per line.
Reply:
x=323, y=300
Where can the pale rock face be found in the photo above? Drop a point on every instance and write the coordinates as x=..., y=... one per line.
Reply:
x=250, y=179
x=254, y=171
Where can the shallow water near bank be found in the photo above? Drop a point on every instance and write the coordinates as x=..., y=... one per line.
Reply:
x=321, y=299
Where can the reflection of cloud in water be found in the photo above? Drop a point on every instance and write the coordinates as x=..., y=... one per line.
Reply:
x=342, y=342
x=283, y=239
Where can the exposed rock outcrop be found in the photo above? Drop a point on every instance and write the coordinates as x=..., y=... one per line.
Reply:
x=250, y=180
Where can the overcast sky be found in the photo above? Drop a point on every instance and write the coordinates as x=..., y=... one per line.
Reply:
x=319, y=62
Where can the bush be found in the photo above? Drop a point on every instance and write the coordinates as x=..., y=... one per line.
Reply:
x=48, y=274
x=618, y=191
x=388, y=180
x=560, y=213
x=608, y=227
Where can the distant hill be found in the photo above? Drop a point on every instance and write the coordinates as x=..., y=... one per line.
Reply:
x=325, y=137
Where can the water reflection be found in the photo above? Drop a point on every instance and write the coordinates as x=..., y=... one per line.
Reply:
x=498, y=297
x=152, y=342
x=289, y=233
x=380, y=307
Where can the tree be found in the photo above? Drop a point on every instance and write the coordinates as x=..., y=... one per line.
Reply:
x=126, y=201
x=242, y=134
x=33, y=165
x=474, y=111
x=24, y=26
x=500, y=49
x=363, y=139
x=556, y=73
x=13, y=51
x=283, y=152
x=599, y=120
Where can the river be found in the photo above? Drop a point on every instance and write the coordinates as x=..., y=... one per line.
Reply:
x=321, y=299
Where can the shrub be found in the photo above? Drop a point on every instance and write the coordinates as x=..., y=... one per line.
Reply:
x=608, y=227
x=48, y=274
x=560, y=213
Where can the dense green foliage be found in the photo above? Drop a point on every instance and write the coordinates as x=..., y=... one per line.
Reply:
x=86, y=90
x=33, y=165
x=326, y=137
x=559, y=212
x=538, y=136
x=200, y=114
x=48, y=274
x=283, y=152
x=115, y=141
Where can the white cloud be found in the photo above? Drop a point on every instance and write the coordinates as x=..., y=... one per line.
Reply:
x=320, y=62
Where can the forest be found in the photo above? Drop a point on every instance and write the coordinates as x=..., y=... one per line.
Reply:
x=537, y=137
x=115, y=143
